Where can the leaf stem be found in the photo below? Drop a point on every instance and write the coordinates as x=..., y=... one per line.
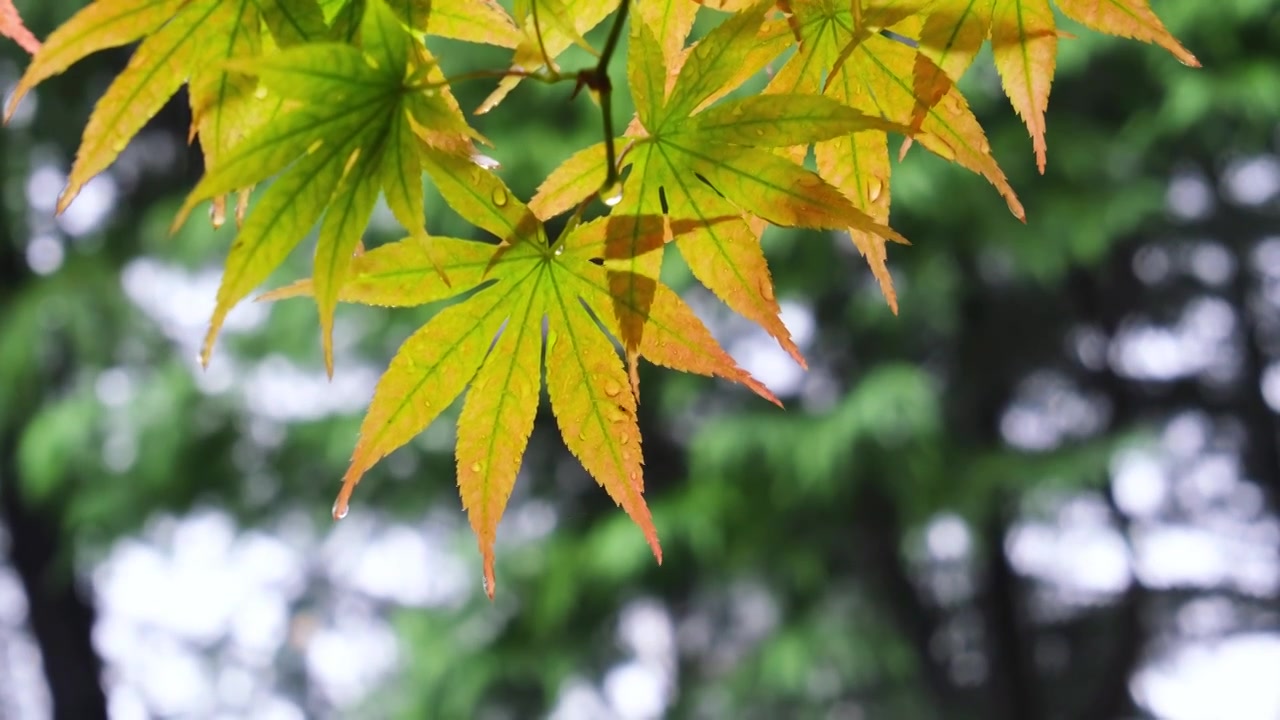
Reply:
x=605, y=88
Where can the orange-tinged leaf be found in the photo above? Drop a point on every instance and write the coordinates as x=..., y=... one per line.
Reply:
x=646, y=74
x=428, y=372
x=874, y=78
x=781, y=120
x=575, y=180
x=672, y=336
x=1126, y=18
x=727, y=258
x=634, y=240
x=477, y=21
x=11, y=27
x=729, y=52
x=155, y=72
x=778, y=190
x=497, y=420
x=593, y=408
x=1024, y=43
x=671, y=23
x=534, y=48
x=859, y=166
x=98, y=26
x=951, y=36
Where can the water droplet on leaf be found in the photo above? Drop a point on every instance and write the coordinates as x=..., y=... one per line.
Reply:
x=611, y=388
x=766, y=289
x=874, y=188
x=475, y=467
x=560, y=250
x=499, y=197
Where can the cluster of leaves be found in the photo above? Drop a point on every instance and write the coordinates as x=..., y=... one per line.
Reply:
x=338, y=102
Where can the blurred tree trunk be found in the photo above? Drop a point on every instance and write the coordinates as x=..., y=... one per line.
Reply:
x=61, y=618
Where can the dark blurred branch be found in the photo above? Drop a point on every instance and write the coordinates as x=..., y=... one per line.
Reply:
x=1012, y=676
x=881, y=532
x=61, y=619
x=1262, y=455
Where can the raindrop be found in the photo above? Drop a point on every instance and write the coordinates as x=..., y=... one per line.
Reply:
x=624, y=440
x=218, y=214
x=874, y=188
x=499, y=196
x=485, y=161
x=766, y=289
x=339, y=509
x=560, y=250
x=118, y=146
x=611, y=194
x=484, y=584
x=475, y=467
x=611, y=388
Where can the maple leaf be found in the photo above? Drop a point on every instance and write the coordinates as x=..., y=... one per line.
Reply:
x=353, y=131
x=492, y=343
x=184, y=40
x=709, y=166
x=1024, y=38
x=477, y=21
x=848, y=60
x=11, y=27
x=556, y=30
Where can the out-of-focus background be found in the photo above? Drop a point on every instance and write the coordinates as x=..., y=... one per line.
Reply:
x=1048, y=490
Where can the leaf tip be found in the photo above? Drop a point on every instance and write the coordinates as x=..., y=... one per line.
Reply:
x=490, y=580
x=65, y=199
x=349, y=481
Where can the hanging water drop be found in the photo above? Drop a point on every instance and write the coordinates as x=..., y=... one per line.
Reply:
x=218, y=213
x=339, y=509
x=611, y=194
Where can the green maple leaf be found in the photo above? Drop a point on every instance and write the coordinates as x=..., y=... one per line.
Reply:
x=493, y=343
x=354, y=130
x=712, y=168
x=185, y=40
